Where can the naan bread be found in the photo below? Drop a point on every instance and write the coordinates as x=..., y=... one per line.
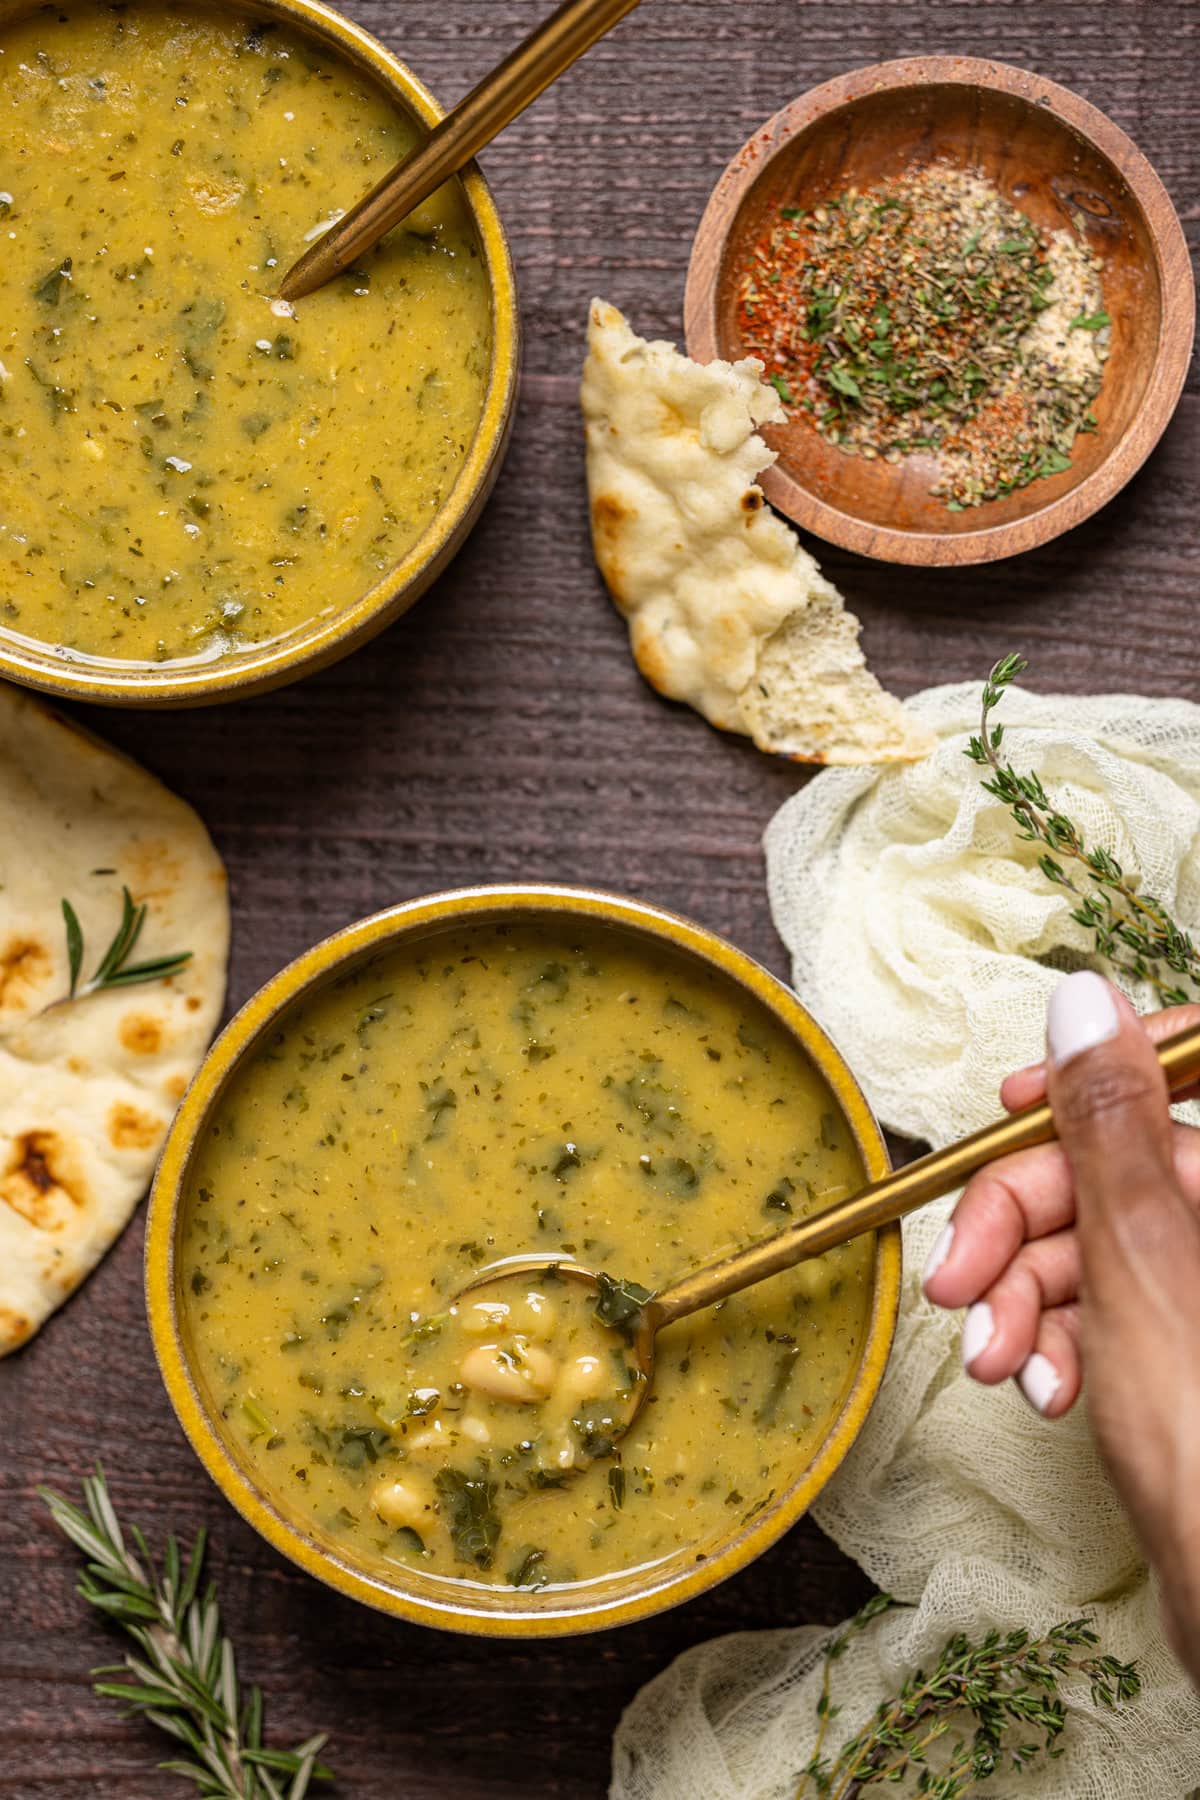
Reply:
x=88, y=1089
x=726, y=610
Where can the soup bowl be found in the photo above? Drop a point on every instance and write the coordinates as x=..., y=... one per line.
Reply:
x=328, y=635
x=269, y=1503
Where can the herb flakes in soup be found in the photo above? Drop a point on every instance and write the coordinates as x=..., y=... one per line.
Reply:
x=493, y=1091
x=186, y=466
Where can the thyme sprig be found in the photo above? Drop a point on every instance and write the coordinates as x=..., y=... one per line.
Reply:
x=1133, y=931
x=182, y=1676
x=114, y=968
x=1008, y=1683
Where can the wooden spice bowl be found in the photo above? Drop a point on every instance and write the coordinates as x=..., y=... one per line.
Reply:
x=1058, y=160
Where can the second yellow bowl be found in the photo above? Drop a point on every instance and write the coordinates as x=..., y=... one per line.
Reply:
x=408, y=1592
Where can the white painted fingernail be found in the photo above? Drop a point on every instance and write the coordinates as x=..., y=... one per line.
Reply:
x=1082, y=1013
x=1039, y=1380
x=938, y=1254
x=979, y=1328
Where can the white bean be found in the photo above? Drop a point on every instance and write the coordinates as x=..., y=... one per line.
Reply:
x=401, y=1503
x=519, y=1375
x=538, y=1316
x=435, y=1436
x=482, y=1316
x=583, y=1378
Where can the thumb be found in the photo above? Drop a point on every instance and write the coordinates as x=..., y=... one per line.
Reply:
x=1110, y=1103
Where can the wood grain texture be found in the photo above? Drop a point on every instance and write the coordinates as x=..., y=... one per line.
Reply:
x=501, y=731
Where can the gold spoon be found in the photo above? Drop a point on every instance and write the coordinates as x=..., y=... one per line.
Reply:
x=641, y=1315
x=474, y=122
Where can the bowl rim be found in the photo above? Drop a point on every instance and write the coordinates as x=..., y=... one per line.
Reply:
x=1171, y=260
x=578, y=1613
x=323, y=641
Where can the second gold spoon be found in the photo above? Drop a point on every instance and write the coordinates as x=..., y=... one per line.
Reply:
x=474, y=122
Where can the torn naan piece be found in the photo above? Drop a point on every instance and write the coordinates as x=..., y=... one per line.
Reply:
x=726, y=609
x=89, y=1085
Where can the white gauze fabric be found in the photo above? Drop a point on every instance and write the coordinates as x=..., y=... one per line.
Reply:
x=926, y=940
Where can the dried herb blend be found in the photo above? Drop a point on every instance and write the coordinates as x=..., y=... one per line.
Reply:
x=928, y=314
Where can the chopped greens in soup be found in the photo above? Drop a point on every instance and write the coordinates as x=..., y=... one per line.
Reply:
x=538, y=1089
x=187, y=468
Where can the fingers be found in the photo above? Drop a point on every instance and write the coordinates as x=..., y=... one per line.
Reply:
x=1018, y=1198
x=1000, y=1331
x=1015, y=1201
x=1012, y=1253
x=1011, y=1257
x=1053, y=1374
x=1025, y=1087
x=1110, y=1109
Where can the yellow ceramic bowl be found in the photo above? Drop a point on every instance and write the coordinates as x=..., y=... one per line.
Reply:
x=314, y=646
x=409, y=1594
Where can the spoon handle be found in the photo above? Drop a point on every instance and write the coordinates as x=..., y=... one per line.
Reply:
x=884, y=1201
x=474, y=122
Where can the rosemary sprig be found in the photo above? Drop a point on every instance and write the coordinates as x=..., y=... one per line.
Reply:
x=114, y=968
x=182, y=1676
x=1134, y=932
x=1007, y=1683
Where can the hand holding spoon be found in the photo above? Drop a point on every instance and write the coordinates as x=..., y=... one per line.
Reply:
x=640, y=1315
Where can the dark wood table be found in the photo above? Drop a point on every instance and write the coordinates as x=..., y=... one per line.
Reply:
x=500, y=731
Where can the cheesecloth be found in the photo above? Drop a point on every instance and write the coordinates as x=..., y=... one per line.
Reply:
x=926, y=941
